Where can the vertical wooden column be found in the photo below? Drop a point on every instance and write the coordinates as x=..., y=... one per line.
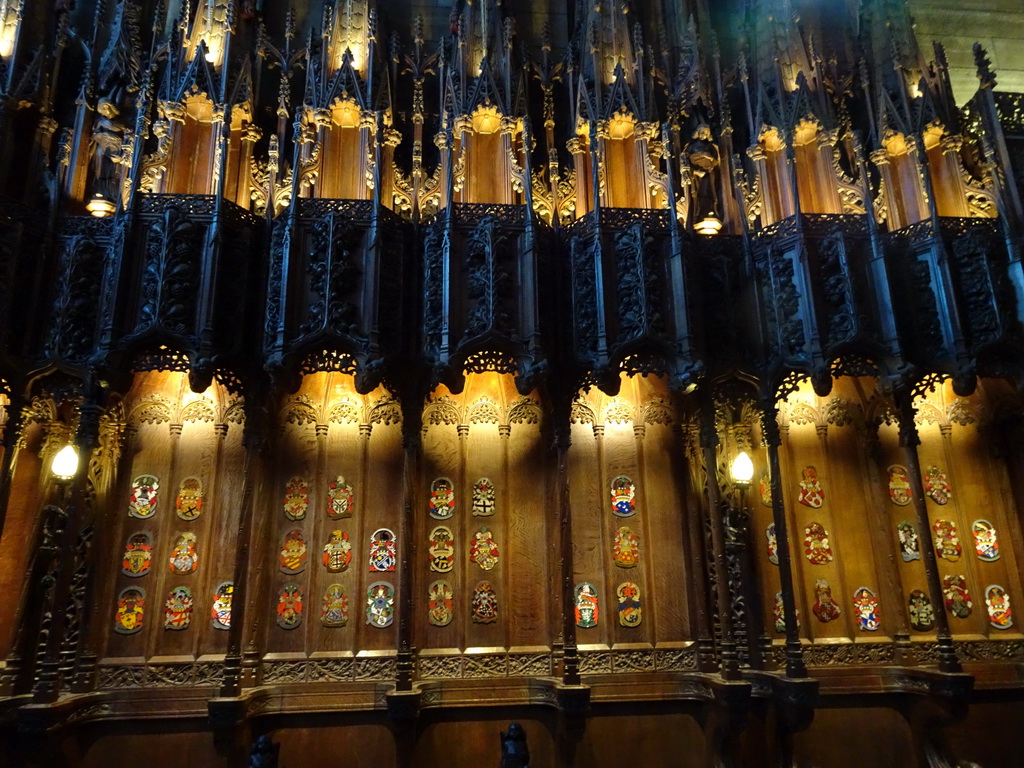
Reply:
x=773, y=440
x=562, y=438
x=9, y=443
x=239, y=672
x=693, y=536
x=909, y=440
x=412, y=446
x=728, y=659
x=48, y=683
x=881, y=531
x=113, y=440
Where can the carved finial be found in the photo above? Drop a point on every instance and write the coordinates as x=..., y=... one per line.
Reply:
x=545, y=38
x=417, y=29
x=289, y=24
x=986, y=77
x=508, y=31
x=371, y=24
x=394, y=47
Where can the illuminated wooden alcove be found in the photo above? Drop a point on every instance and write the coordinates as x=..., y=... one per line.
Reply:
x=174, y=435
x=489, y=431
x=633, y=435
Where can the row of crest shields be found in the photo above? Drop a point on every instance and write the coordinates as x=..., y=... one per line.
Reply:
x=483, y=549
x=628, y=600
x=818, y=551
x=142, y=503
x=442, y=498
x=337, y=552
x=138, y=554
x=380, y=606
x=936, y=485
x=947, y=541
x=340, y=503
x=922, y=615
x=131, y=608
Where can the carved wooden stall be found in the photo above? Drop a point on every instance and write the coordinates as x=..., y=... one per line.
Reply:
x=643, y=375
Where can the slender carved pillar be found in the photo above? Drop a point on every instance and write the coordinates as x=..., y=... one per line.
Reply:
x=729, y=661
x=880, y=531
x=239, y=672
x=773, y=439
x=9, y=443
x=696, y=557
x=909, y=440
x=113, y=438
x=412, y=445
x=48, y=683
x=562, y=439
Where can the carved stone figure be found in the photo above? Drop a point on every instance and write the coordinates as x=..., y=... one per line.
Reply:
x=105, y=146
x=514, y=751
x=704, y=158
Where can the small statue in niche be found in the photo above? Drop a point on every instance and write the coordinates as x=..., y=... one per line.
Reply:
x=704, y=157
x=514, y=751
x=264, y=753
x=105, y=146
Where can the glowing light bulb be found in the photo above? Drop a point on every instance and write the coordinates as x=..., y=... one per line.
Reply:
x=65, y=463
x=742, y=469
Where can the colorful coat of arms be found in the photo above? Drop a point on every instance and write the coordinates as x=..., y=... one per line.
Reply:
x=142, y=502
x=483, y=498
x=899, y=485
x=383, y=550
x=986, y=544
x=439, y=604
x=910, y=545
x=586, y=605
x=178, y=608
x=773, y=544
x=825, y=608
x=623, y=496
x=957, y=598
x=334, y=612
x=220, y=612
x=131, y=607
x=779, y=614
x=485, y=603
x=442, y=498
x=997, y=601
x=296, y=498
x=947, y=543
x=184, y=557
x=922, y=615
x=380, y=604
x=811, y=494
x=626, y=549
x=339, y=499
x=138, y=554
x=484, y=550
x=936, y=485
x=289, y=606
x=189, y=504
x=865, y=603
x=441, y=549
x=337, y=552
x=292, y=558
x=816, y=546
x=630, y=611
x=765, y=488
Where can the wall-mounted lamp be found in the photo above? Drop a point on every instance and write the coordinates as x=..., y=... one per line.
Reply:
x=710, y=225
x=100, y=207
x=65, y=463
x=742, y=471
